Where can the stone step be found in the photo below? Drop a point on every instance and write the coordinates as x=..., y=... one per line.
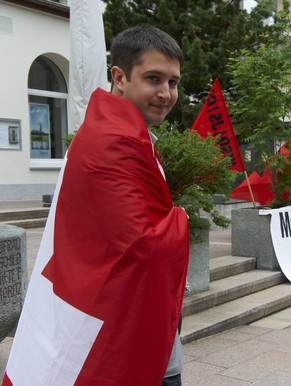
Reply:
x=25, y=218
x=23, y=214
x=230, y=288
x=244, y=310
x=224, y=266
x=29, y=223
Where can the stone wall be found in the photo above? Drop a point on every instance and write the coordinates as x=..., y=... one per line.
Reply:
x=13, y=276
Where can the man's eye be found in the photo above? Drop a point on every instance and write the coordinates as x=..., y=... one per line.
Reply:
x=173, y=83
x=153, y=78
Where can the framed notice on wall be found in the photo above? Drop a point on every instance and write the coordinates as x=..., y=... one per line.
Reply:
x=40, y=146
x=10, y=134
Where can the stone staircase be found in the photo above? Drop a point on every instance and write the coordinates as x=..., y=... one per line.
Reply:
x=239, y=293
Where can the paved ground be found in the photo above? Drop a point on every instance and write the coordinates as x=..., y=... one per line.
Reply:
x=257, y=354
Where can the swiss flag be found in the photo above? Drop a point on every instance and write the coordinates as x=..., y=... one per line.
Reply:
x=106, y=293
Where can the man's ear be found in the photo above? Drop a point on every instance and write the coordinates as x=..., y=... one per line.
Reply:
x=118, y=79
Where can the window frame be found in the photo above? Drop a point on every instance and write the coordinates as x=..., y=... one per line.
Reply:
x=52, y=163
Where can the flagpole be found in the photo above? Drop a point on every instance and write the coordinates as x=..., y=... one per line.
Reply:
x=250, y=188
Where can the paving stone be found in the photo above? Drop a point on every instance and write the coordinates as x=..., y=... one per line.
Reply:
x=261, y=366
x=238, y=353
x=279, y=378
x=199, y=374
x=207, y=346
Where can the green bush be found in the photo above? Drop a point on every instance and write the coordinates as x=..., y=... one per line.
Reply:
x=195, y=169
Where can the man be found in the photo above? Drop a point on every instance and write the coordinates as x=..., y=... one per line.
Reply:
x=105, y=297
x=149, y=77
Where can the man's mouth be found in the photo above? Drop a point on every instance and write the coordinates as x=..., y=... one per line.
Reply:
x=160, y=107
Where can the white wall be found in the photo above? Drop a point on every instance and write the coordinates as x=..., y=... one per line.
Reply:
x=33, y=34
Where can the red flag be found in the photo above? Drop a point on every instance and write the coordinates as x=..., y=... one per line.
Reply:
x=214, y=119
x=106, y=293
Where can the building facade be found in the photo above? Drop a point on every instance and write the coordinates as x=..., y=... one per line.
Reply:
x=34, y=74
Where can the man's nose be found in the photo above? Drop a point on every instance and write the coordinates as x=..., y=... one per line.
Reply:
x=164, y=91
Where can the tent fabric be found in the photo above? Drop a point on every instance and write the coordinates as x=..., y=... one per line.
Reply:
x=261, y=188
x=260, y=185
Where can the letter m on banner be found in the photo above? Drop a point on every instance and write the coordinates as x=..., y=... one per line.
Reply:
x=285, y=224
x=214, y=119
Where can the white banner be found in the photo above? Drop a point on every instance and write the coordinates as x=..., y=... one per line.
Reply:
x=280, y=227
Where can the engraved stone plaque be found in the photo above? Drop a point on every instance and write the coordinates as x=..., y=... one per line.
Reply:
x=13, y=276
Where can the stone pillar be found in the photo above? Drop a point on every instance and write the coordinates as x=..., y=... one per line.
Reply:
x=198, y=276
x=251, y=237
x=13, y=276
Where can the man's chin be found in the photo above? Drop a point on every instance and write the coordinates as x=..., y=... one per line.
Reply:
x=156, y=121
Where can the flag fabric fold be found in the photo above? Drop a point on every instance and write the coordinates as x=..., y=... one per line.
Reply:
x=106, y=292
x=214, y=118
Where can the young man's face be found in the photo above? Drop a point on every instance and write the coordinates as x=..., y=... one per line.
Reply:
x=153, y=86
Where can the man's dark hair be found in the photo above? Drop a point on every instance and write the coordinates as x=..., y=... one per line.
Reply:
x=129, y=45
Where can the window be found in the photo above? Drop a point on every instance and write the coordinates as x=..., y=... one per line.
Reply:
x=47, y=95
